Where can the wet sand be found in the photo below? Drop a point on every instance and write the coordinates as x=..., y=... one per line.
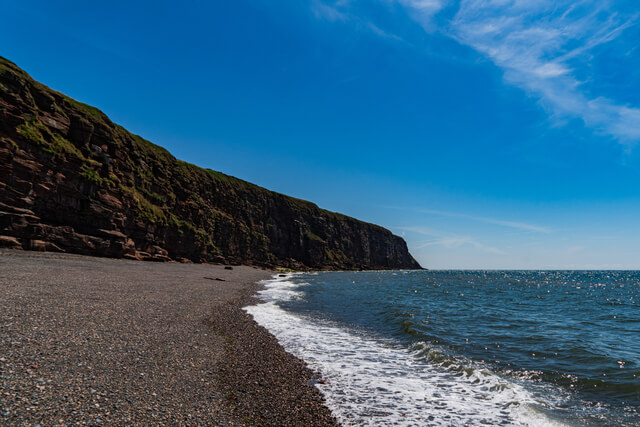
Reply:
x=96, y=341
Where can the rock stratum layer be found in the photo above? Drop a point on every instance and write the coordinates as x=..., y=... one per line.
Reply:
x=73, y=181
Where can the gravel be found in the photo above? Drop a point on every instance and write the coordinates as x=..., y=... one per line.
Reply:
x=95, y=341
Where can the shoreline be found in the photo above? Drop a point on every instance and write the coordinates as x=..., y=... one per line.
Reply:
x=86, y=340
x=264, y=383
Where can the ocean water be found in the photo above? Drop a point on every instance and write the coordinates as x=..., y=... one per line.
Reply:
x=465, y=347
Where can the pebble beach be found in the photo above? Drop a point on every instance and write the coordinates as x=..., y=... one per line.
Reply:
x=96, y=341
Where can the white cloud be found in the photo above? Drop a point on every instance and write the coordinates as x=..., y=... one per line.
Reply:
x=456, y=242
x=322, y=10
x=424, y=7
x=446, y=241
x=509, y=224
x=339, y=11
x=425, y=10
x=544, y=47
x=536, y=44
x=380, y=32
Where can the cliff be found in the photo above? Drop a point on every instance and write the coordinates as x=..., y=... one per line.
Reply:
x=73, y=181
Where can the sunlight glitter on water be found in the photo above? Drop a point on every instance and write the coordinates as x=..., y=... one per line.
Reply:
x=368, y=381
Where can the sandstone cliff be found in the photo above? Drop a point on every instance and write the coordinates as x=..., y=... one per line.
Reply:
x=73, y=181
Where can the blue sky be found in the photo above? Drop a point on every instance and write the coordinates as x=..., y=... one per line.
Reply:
x=489, y=133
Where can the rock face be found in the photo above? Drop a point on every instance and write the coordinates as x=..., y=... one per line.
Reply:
x=73, y=181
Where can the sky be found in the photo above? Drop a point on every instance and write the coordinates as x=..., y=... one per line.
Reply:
x=490, y=134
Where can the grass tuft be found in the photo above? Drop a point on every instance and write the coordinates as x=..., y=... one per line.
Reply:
x=31, y=131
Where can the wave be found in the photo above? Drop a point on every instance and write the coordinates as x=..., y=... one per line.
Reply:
x=367, y=380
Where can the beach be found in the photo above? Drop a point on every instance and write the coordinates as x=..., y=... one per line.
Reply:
x=97, y=341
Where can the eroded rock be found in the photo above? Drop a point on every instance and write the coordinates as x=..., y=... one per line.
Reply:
x=71, y=180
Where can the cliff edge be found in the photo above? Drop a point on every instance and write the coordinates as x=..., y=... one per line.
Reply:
x=73, y=181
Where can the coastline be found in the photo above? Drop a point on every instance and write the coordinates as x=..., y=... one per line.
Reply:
x=102, y=341
x=263, y=383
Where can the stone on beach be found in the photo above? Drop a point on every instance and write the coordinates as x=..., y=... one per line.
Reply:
x=116, y=342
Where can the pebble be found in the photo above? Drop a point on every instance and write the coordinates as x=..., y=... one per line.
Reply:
x=139, y=326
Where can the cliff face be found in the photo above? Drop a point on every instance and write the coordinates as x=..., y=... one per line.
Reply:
x=71, y=180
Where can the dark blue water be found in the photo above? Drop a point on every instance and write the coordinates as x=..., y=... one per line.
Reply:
x=571, y=338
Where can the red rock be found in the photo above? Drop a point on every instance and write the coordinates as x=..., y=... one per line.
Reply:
x=110, y=200
x=158, y=251
x=113, y=192
x=10, y=242
x=57, y=122
x=22, y=185
x=41, y=188
x=38, y=245
x=25, y=167
x=113, y=234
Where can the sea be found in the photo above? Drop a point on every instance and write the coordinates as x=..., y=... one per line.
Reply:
x=457, y=348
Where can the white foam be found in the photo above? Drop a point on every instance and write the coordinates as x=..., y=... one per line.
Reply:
x=279, y=289
x=368, y=381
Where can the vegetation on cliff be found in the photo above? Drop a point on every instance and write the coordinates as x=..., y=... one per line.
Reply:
x=71, y=180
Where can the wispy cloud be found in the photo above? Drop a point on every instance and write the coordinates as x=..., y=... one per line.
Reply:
x=446, y=241
x=330, y=12
x=544, y=46
x=340, y=11
x=425, y=10
x=455, y=242
x=380, y=32
x=504, y=223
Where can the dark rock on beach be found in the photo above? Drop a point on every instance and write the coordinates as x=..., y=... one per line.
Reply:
x=73, y=181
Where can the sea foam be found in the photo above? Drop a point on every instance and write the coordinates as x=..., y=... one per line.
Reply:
x=369, y=381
